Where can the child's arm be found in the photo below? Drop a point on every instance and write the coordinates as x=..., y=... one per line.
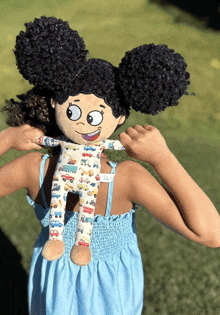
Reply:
x=16, y=174
x=189, y=210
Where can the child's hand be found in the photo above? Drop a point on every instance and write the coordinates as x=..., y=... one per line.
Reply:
x=21, y=138
x=144, y=144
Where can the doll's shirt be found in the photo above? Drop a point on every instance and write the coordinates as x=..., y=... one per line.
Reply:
x=112, y=283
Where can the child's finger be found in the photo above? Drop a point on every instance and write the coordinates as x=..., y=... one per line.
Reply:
x=35, y=140
x=30, y=146
x=148, y=127
x=125, y=139
x=37, y=134
x=132, y=133
x=37, y=147
x=34, y=145
x=139, y=128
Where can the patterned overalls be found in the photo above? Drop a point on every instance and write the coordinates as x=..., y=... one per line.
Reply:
x=78, y=170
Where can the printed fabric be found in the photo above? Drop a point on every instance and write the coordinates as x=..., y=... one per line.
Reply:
x=78, y=171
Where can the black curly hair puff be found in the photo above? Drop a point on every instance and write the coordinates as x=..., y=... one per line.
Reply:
x=48, y=51
x=152, y=78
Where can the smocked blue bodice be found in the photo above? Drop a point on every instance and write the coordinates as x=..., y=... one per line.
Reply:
x=109, y=236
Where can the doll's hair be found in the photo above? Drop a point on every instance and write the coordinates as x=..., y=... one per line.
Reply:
x=99, y=77
x=152, y=78
x=52, y=57
x=49, y=51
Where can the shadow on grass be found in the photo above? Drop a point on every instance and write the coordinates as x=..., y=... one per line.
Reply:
x=14, y=279
x=206, y=10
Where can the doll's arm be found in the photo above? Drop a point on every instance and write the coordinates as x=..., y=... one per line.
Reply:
x=113, y=145
x=47, y=141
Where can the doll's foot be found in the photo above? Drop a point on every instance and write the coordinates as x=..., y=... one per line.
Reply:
x=53, y=250
x=80, y=255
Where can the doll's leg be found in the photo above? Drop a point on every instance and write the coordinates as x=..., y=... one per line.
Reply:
x=54, y=247
x=81, y=253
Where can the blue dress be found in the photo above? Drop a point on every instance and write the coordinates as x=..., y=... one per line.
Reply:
x=111, y=284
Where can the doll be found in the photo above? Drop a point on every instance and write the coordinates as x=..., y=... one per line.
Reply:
x=80, y=165
x=91, y=98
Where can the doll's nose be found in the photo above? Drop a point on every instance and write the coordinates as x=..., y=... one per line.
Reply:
x=80, y=123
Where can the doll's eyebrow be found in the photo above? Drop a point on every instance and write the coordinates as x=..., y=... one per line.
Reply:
x=76, y=100
x=102, y=106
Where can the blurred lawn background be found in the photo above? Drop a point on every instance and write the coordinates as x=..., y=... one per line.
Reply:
x=181, y=277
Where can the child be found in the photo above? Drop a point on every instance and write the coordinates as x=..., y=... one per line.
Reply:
x=112, y=283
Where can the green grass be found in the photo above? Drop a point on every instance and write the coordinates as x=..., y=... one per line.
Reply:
x=181, y=277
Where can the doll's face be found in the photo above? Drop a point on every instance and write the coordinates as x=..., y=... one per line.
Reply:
x=86, y=119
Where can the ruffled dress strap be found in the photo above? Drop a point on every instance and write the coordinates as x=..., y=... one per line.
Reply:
x=110, y=190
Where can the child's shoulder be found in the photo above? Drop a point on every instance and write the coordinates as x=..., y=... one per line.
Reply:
x=130, y=168
x=33, y=160
x=130, y=172
x=33, y=157
x=25, y=173
x=133, y=174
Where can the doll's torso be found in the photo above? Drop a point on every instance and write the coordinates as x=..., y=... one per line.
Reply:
x=120, y=203
x=78, y=166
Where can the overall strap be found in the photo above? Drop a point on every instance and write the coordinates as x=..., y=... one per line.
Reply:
x=110, y=190
x=42, y=179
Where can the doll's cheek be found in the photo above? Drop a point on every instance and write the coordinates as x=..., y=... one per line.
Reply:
x=62, y=125
x=68, y=128
x=107, y=131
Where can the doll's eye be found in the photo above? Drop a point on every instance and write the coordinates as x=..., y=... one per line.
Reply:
x=73, y=112
x=95, y=118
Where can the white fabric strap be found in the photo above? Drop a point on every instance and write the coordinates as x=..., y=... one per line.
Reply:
x=106, y=178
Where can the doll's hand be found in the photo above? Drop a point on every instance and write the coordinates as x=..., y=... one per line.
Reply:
x=21, y=138
x=144, y=144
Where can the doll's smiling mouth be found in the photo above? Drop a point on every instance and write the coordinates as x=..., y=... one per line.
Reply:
x=90, y=136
